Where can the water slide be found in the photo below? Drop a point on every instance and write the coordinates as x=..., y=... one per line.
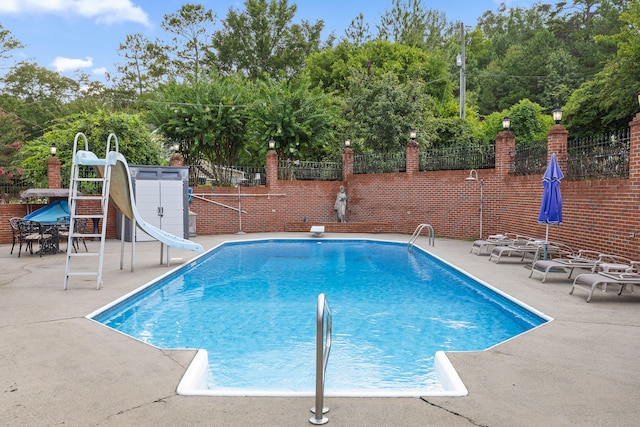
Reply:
x=121, y=195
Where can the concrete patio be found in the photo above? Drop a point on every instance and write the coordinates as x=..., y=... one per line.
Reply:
x=59, y=368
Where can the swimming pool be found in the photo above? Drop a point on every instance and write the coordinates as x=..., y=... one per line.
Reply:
x=251, y=305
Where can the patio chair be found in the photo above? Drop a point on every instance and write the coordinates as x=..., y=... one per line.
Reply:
x=29, y=232
x=79, y=228
x=15, y=231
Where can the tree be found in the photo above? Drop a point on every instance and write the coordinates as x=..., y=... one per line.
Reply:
x=146, y=66
x=192, y=28
x=358, y=32
x=608, y=101
x=135, y=142
x=7, y=43
x=301, y=119
x=408, y=22
x=37, y=96
x=11, y=140
x=208, y=117
x=333, y=67
x=262, y=41
x=381, y=111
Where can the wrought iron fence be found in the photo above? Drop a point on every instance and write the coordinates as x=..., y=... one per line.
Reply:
x=603, y=156
x=530, y=158
x=83, y=186
x=380, y=162
x=309, y=170
x=458, y=157
x=10, y=188
x=248, y=175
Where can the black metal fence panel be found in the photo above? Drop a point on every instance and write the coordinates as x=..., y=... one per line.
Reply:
x=380, y=163
x=247, y=175
x=530, y=158
x=12, y=186
x=600, y=157
x=304, y=170
x=458, y=157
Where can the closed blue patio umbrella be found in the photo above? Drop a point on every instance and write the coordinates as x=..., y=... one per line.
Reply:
x=551, y=205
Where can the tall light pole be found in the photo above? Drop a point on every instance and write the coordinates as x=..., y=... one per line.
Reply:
x=461, y=62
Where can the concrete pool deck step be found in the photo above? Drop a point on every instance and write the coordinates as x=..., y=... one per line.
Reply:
x=60, y=368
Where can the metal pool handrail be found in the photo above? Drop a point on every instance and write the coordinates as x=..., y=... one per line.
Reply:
x=323, y=347
x=430, y=235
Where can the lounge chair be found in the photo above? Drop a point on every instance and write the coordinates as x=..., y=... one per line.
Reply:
x=590, y=281
x=515, y=248
x=487, y=245
x=584, y=259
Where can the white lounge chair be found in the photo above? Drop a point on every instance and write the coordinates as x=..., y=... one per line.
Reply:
x=590, y=281
x=487, y=245
x=515, y=248
x=584, y=259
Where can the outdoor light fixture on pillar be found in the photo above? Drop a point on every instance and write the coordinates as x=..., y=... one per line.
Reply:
x=176, y=147
x=506, y=123
x=557, y=115
x=412, y=134
x=638, y=94
x=473, y=176
x=53, y=149
x=347, y=142
x=272, y=144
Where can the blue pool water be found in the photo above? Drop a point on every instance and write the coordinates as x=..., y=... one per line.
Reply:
x=252, y=306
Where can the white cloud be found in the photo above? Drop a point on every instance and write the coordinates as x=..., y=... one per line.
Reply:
x=62, y=64
x=104, y=11
x=99, y=71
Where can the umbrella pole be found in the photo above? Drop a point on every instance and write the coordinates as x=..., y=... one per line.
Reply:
x=546, y=241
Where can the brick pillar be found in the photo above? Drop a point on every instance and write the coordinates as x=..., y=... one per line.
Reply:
x=413, y=156
x=505, y=153
x=272, y=168
x=53, y=172
x=347, y=163
x=176, y=159
x=557, y=143
x=634, y=149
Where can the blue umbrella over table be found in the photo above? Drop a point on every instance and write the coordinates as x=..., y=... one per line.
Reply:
x=551, y=205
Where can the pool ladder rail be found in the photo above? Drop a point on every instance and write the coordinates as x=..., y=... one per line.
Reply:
x=430, y=234
x=323, y=348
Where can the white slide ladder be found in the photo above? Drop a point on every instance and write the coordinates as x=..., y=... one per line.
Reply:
x=88, y=264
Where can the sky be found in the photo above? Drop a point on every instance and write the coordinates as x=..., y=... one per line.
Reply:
x=70, y=35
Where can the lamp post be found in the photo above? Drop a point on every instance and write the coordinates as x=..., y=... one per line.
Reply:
x=272, y=144
x=506, y=123
x=557, y=115
x=412, y=134
x=473, y=176
x=53, y=149
x=347, y=142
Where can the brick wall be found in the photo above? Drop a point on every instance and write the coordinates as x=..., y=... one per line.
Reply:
x=598, y=214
